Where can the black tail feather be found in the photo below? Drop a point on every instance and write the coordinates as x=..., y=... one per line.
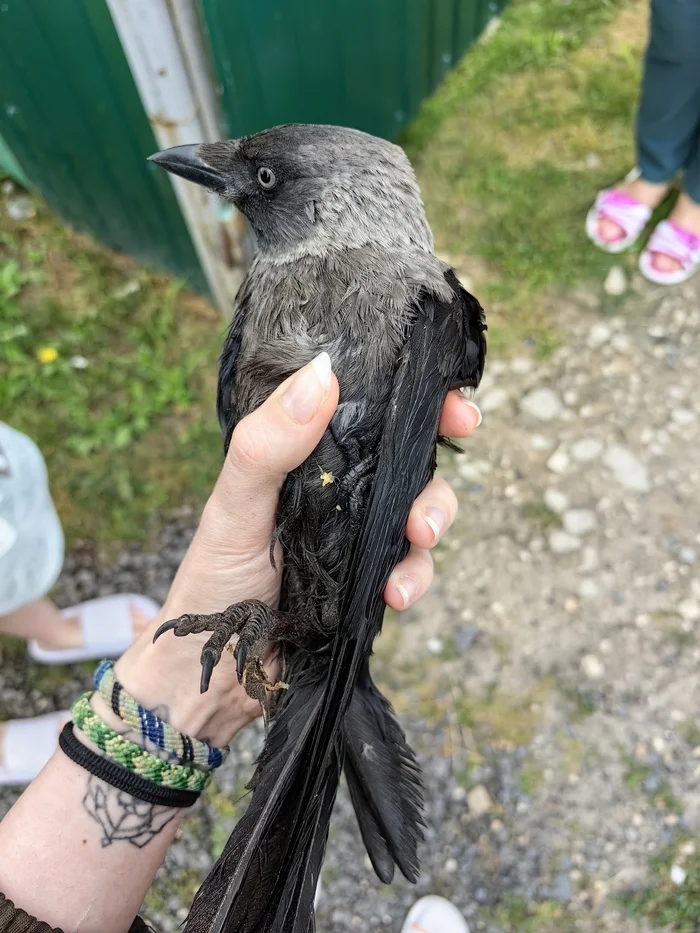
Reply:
x=384, y=781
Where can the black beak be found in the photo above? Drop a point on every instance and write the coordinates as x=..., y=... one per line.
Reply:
x=184, y=161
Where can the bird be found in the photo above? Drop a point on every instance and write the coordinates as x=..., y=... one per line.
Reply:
x=345, y=264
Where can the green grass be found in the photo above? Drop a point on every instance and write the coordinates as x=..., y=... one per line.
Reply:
x=501, y=153
x=515, y=915
x=665, y=904
x=530, y=778
x=133, y=434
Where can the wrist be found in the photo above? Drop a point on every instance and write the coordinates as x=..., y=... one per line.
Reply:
x=164, y=678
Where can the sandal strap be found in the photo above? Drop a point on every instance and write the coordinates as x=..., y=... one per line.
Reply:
x=673, y=241
x=622, y=210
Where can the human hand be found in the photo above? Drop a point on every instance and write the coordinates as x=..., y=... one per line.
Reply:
x=228, y=559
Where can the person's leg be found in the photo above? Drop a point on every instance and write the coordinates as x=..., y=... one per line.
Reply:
x=43, y=622
x=669, y=109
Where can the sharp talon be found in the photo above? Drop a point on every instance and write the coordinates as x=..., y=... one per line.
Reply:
x=241, y=656
x=207, y=671
x=165, y=627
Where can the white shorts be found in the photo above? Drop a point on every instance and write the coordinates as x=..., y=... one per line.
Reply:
x=31, y=538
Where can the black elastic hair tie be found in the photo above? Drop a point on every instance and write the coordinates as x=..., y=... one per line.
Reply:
x=112, y=773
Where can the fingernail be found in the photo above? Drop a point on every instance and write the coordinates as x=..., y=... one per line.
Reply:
x=435, y=519
x=407, y=588
x=474, y=407
x=308, y=389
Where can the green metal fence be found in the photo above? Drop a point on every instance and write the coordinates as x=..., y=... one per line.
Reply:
x=362, y=63
x=71, y=115
x=76, y=123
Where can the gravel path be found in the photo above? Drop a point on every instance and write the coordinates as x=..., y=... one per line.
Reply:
x=549, y=680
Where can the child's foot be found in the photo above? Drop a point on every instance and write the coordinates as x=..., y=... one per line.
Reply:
x=27, y=744
x=98, y=628
x=621, y=213
x=673, y=252
x=433, y=914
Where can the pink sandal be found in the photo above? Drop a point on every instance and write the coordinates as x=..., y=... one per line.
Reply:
x=622, y=210
x=671, y=240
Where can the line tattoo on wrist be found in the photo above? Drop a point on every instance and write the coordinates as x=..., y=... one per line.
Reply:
x=123, y=818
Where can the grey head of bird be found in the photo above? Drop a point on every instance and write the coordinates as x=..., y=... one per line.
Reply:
x=308, y=189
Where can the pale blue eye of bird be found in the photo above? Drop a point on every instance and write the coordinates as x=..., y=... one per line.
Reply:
x=266, y=177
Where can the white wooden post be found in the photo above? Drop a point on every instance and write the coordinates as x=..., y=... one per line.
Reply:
x=163, y=44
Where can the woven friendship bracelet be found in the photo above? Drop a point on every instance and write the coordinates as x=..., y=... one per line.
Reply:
x=176, y=745
x=132, y=756
x=112, y=773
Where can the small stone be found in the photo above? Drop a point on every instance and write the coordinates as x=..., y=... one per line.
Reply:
x=570, y=604
x=521, y=365
x=473, y=470
x=78, y=362
x=598, y=335
x=579, y=521
x=540, y=442
x=451, y=866
x=658, y=744
x=570, y=397
x=592, y=667
x=605, y=646
x=561, y=542
x=588, y=589
x=677, y=715
x=20, y=208
x=688, y=848
x=555, y=500
x=628, y=470
x=615, y=281
x=587, y=449
x=687, y=555
x=493, y=400
x=496, y=826
x=589, y=559
x=586, y=411
x=7, y=187
x=621, y=343
x=592, y=161
x=543, y=404
x=479, y=800
x=678, y=874
x=642, y=620
x=458, y=794
x=559, y=462
x=683, y=416
x=128, y=288
x=434, y=645
x=689, y=610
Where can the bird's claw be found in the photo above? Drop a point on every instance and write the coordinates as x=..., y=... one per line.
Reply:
x=165, y=627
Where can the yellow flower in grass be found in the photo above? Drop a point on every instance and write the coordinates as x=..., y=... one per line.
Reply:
x=47, y=354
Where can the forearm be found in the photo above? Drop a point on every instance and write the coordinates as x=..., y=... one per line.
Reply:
x=79, y=854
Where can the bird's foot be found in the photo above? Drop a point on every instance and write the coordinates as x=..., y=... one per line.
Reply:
x=352, y=488
x=255, y=623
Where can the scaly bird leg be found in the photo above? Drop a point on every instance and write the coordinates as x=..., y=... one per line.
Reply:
x=256, y=624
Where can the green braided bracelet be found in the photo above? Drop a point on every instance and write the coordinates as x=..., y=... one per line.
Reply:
x=175, y=745
x=132, y=756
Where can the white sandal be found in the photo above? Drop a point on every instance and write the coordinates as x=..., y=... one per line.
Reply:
x=434, y=914
x=106, y=626
x=27, y=745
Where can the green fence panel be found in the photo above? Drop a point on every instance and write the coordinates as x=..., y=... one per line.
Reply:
x=71, y=114
x=363, y=63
